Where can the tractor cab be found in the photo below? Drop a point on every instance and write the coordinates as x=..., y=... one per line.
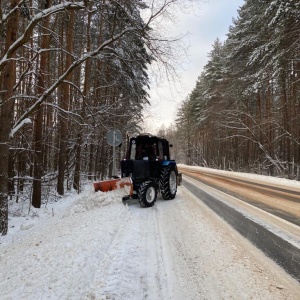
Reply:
x=147, y=147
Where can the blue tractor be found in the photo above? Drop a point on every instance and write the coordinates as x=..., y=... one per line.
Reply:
x=151, y=169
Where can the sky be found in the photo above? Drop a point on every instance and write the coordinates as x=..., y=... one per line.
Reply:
x=206, y=23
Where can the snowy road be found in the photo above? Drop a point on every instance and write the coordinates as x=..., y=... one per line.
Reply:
x=278, y=238
x=276, y=197
x=94, y=247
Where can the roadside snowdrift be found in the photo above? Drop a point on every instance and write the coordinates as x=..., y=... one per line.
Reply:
x=91, y=246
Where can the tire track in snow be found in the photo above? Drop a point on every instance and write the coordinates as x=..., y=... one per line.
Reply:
x=133, y=267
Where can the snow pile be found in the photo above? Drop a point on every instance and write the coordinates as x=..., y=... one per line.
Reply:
x=22, y=216
x=57, y=253
x=91, y=200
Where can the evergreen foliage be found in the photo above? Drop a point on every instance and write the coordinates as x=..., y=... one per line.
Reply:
x=244, y=112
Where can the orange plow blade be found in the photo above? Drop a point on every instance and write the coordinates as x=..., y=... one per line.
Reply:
x=113, y=184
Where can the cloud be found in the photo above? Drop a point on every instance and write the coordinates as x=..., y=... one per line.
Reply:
x=210, y=21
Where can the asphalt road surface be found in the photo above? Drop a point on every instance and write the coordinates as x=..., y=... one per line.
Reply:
x=267, y=215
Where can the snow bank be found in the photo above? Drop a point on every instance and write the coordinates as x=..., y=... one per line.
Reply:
x=23, y=217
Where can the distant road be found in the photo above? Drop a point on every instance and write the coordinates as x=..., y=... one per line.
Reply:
x=266, y=214
x=280, y=201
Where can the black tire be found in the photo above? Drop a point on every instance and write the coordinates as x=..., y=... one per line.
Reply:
x=168, y=183
x=147, y=193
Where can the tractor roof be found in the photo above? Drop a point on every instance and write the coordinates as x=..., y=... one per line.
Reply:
x=147, y=137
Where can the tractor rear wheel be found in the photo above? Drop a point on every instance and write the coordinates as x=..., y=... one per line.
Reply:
x=147, y=193
x=168, y=183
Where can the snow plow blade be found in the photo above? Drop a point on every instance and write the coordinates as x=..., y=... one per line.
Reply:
x=113, y=184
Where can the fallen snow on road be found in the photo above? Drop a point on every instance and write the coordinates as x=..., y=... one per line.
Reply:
x=91, y=246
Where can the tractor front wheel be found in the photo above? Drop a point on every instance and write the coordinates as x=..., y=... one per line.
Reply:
x=168, y=183
x=147, y=193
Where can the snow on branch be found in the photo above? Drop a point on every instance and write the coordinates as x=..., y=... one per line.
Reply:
x=61, y=79
x=19, y=126
x=5, y=17
x=33, y=23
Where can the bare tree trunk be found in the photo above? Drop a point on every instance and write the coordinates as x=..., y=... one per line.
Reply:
x=38, y=128
x=11, y=171
x=64, y=105
x=76, y=182
x=38, y=158
x=86, y=85
x=7, y=81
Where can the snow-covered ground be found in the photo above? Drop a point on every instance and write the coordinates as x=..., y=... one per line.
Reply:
x=91, y=246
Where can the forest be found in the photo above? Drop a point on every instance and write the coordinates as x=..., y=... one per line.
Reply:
x=72, y=70
x=244, y=112
x=69, y=72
